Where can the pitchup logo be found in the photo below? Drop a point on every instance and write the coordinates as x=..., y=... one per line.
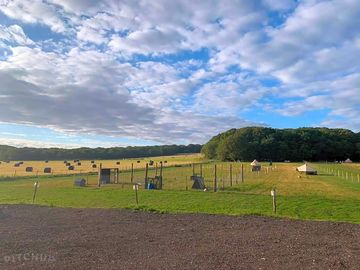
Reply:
x=26, y=257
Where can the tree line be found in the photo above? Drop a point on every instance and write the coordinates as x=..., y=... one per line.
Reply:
x=28, y=153
x=311, y=144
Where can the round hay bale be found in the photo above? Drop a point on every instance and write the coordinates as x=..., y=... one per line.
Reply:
x=47, y=170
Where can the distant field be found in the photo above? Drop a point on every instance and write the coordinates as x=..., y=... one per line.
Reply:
x=59, y=167
x=320, y=197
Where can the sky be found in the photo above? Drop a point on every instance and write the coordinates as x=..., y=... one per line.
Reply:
x=118, y=73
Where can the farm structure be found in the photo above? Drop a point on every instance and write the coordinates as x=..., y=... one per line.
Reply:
x=307, y=169
x=255, y=166
x=108, y=175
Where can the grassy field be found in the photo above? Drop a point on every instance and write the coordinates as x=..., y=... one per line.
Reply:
x=326, y=196
x=58, y=167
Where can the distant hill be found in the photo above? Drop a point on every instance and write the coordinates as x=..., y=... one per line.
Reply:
x=26, y=153
x=313, y=144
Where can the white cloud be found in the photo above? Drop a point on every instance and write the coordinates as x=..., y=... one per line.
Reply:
x=33, y=11
x=168, y=70
x=14, y=34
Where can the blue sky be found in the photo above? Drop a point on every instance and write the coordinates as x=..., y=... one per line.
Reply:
x=117, y=73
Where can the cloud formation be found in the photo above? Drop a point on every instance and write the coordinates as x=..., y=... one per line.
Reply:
x=177, y=71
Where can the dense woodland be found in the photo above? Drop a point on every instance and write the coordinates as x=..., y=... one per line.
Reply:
x=13, y=153
x=245, y=144
x=312, y=144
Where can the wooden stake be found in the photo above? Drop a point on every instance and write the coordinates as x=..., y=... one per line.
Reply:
x=201, y=171
x=161, y=175
x=230, y=175
x=136, y=187
x=117, y=175
x=36, y=185
x=215, y=179
x=99, y=175
x=146, y=175
x=273, y=194
x=242, y=173
x=132, y=172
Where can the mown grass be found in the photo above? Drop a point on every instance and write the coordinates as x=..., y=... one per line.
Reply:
x=321, y=197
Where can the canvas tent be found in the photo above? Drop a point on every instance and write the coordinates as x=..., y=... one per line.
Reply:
x=348, y=160
x=306, y=169
x=255, y=166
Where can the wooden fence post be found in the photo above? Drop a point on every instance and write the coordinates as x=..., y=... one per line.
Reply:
x=99, y=175
x=161, y=175
x=146, y=175
x=132, y=172
x=230, y=175
x=36, y=185
x=215, y=179
x=242, y=173
x=273, y=194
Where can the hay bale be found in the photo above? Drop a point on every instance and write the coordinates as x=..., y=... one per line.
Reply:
x=70, y=168
x=68, y=164
x=93, y=161
x=17, y=165
x=46, y=161
x=79, y=163
x=118, y=163
x=65, y=161
x=47, y=170
x=29, y=169
x=165, y=161
x=94, y=165
x=138, y=161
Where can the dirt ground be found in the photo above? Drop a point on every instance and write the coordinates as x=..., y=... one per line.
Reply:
x=34, y=237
